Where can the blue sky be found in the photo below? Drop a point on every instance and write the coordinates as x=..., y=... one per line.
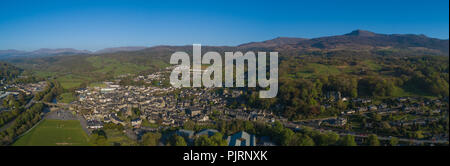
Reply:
x=92, y=25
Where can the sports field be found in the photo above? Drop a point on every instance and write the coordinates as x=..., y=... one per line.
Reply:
x=55, y=133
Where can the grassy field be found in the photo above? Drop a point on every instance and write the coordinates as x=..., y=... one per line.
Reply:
x=97, y=84
x=372, y=65
x=105, y=65
x=66, y=98
x=312, y=70
x=115, y=136
x=55, y=133
x=71, y=80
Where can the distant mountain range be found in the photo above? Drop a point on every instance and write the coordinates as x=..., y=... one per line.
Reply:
x=119, y=49
x=274, y=42
x=359, y=40
x=355, y=40
x=43, y=52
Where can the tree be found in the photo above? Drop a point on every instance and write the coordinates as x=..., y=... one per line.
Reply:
x=332, y=138
x=98, y=139
x=189, y=125
x=303, y=140
x=373, y=140
x=151, y=139
x=287, y=137
x=347, y=140
x=203, y=140
x=179, y=141
x=393, y=141
x=418, y=134
x=217, y=138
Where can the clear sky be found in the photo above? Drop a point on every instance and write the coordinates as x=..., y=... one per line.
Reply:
x=92, y=25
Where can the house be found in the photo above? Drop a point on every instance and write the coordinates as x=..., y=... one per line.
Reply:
x=136, y=122
x=106, y=119
x=8, y=93
x=94, y=124
x=382, y=106
x=362, y=109
x=236, y=93
x=107, y=90
x=333, y=95
x=373, y=108
x=116, y=119
x=335, y=122
x=241, y=139
x=348, y=112
x=193, y=111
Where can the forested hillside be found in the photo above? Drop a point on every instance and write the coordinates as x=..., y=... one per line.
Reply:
x=8, y=71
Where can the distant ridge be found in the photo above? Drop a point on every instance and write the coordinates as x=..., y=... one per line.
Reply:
x=355, y=40
x=41, y=52
x=362, y=33
x=48, y=51
x=359, y=40
x=119, y=49
x=274, y=42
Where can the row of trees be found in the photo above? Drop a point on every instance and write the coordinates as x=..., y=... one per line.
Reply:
x=23, y=122
x=25, y=119
x=7, y=116
x=52, y=90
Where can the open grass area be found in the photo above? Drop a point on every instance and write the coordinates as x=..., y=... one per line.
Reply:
x=372, y=65
x=119, y=137
x=71, y=81
x=107, y=65
x=66, y=98
x=312, y=70
x=400, y=92
x=55, y=133
x=405, y=117
x=97, y=84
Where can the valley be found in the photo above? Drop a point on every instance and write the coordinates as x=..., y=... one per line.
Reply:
x=360, y=88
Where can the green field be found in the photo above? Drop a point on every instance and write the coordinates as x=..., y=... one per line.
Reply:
x=70, y=81
x=107, y=65
x=55, y=133
x=312, y=70
x=97, y=84
x=66, y=98
x=115, y=136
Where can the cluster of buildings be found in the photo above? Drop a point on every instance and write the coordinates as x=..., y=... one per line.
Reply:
x=27, y=89
x=400, y=104
x=165, y=106
x=4, y=94
x=30, y=88
x=404, y=105
x=139, y=106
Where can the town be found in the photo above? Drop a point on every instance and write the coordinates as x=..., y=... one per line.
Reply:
x=154, y=107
